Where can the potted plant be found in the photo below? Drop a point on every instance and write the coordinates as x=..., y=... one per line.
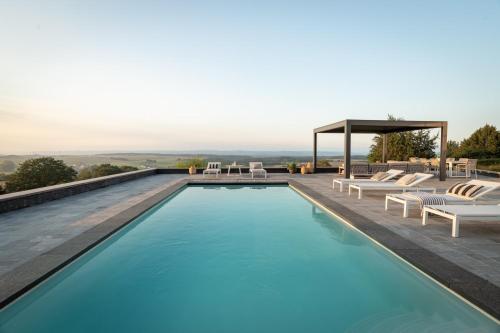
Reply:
x=292, y=167
x=192, y=170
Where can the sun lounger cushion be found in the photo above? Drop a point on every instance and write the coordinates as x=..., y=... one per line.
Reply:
x=473, y=190
x=454, y=189
x=406, y=180
x=379, y=175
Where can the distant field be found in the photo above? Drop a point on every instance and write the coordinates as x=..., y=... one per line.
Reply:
x=168, y=160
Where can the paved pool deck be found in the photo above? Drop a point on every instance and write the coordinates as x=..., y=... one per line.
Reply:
x=31, y=232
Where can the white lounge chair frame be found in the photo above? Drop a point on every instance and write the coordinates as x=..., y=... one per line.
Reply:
x=256, y=168
x=392, y=186
x=213, y=168
x=343, y=181
x=458, y=213
x=452, y=199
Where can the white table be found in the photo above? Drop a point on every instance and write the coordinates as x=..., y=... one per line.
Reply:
x=233, y=166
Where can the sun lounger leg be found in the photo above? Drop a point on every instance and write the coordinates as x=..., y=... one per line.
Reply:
x=425, y=217
x=386, y=203
x=360, y=193
x=455, y=227
x=405, y=209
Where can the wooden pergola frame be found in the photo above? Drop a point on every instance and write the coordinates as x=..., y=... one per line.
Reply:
x=382, y=127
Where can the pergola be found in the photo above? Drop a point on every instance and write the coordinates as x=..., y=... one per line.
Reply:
x=382, y=127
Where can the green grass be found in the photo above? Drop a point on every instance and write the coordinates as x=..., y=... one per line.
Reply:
x=492, y=164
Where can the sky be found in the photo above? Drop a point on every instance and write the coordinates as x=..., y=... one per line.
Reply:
x=239, y=75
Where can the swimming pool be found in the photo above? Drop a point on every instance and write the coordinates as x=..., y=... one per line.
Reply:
x=240, y=259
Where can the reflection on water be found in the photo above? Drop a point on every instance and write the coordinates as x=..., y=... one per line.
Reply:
x=338, y=231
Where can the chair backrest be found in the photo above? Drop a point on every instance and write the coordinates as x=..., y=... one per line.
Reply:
x=415, y=167
x=463, y=159
x=450, y=159
x=378, y=167
x=472, y=163
x=420, y=177
x=213, y=165
x=359, y=169
x=256, y=165
x=398, y=165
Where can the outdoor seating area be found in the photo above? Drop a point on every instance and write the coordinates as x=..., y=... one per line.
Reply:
x=415, y=192
x=462, y=167
x=255, y=169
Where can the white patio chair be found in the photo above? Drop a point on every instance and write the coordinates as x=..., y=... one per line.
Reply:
x=212, y=168
x=390, y=174
x=394, y=186
x=409, y=199
x=457, y=213
x=256, y=168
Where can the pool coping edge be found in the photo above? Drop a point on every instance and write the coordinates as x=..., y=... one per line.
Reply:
x=473, y=289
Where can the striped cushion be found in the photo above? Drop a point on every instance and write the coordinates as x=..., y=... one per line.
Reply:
x=406, y=180
x=464, y=189
x=379, y=176
x=473, y=191
x=455, y=188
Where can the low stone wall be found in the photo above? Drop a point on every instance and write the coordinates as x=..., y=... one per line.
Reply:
x=245, y=170
x=22, y=199
x=488, y=173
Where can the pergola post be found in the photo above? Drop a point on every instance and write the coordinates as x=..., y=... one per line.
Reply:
x=347, y=149
x=384, y=148
x=444, y=149
x=315, y=151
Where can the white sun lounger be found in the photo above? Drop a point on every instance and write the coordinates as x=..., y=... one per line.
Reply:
x=212, y=168
x=342, y=181
x=256, y=168
x=392, y=186
x=451, y=199
x=457, y=213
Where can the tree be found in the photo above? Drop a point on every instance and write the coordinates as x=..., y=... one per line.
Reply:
x=401, y=146
x=39, y=172
x=483, y=143
x=323, y=164
x=453, y=149
x=7, y=166
x=103, y=170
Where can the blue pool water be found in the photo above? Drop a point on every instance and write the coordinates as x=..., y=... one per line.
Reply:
x=240, y=259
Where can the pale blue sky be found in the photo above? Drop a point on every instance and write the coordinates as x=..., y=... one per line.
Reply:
x=104, y=75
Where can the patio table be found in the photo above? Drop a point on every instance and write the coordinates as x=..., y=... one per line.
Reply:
x=233, y=166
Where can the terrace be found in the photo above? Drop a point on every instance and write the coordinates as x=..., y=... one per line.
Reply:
x=37, y=241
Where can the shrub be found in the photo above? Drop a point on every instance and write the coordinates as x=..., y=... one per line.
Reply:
x=39, y=172
x=103, y=170
x=323, y=164
x=186, y=163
